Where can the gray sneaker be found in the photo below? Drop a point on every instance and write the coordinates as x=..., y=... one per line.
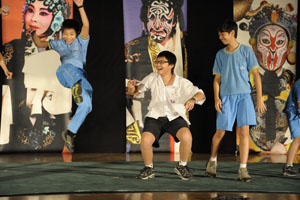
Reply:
x=183, y=172
x=146, y=173
x=211, y=168
x=243, y=175
x=69, y=139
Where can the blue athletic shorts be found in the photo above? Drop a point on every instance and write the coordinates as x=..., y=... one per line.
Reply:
x=295, y=127
x=237, y=106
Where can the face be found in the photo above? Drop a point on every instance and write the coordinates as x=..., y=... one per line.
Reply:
x=162, y=66
x=69, y=35
x=226, y=37
x=160, y=20
x=272, y=47
x=37, y=17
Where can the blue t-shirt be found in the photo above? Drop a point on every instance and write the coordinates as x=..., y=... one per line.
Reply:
x=234, y=68
x=292, y=109
x=74, y=53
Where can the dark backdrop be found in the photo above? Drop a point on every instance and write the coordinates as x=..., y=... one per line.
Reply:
x=104, y=129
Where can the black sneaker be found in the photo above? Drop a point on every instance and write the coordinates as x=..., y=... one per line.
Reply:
x=146, y=173
x=69, y=139
x=184, y=172
x=289, y=171
x=76, y=92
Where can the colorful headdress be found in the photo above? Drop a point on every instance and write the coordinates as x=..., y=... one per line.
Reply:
x=60, y=9
x=268, y=14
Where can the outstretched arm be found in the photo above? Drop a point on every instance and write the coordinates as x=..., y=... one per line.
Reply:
x=132, y=88
x=38, y=42
x=85, y=21
x=7, y=73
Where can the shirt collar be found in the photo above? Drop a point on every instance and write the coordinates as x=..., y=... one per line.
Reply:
x=175, y=83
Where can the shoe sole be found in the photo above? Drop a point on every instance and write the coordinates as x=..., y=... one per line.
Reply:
x=77, y=93
x=64, y=137
x=245, y=180
x=210, y=175
x=286, y=174
x=179, y=174
x=148, y=177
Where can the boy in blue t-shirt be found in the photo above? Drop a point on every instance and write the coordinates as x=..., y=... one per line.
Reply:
x=292, y=110
x=73, y=49
x=232, y=94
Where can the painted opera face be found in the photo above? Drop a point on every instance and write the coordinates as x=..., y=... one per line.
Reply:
x=37, y=17
x=160, y=21
x=272, y=47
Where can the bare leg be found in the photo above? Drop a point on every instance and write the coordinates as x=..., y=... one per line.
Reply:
x=244, y=144
x=146, y=147
x=185, y=137
x=217, y=138
x=293, y=150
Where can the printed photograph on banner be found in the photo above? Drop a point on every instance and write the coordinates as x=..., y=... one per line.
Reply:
x=270, y=28
x=151, y=26
x=35, y=107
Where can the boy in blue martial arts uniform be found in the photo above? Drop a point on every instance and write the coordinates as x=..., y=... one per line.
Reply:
x=292, y=110
x=73, y=49
x=232, y=94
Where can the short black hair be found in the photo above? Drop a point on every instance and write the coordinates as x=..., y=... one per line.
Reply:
x=169, y=56
x=228, y=26
x=71, y=24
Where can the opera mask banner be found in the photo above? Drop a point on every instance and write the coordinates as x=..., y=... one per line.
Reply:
x=270, y=28
x=151, y=26
x=35, y=107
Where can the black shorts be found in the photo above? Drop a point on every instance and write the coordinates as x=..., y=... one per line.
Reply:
x=162, y=125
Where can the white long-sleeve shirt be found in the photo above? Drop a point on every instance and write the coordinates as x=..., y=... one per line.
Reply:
x=168, y=101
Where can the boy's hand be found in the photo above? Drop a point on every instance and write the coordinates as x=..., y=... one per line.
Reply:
x=8, y=74
x=131, y=83
x=189, y=105
x=4, y=10
x=261, y=108
x=218, y=105
x=78, y=2
x=131, y=86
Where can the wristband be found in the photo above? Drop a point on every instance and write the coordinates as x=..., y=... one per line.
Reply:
x=80, y=6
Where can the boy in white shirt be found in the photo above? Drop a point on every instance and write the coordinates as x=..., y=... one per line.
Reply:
x=172, y=96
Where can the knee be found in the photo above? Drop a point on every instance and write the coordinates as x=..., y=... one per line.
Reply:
x=297, y=140
x=60, y=69
x=219, y=134
x=184, y=135
x=147, y=139
x=243, y=132
x=86, y=106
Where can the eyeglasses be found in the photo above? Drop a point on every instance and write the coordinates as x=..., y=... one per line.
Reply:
x=160, y=62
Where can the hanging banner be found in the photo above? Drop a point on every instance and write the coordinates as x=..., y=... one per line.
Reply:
x=270, y=28
x=151, y=26
x=35, y=107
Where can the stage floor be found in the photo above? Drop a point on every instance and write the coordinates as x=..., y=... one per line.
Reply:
x=82, y=157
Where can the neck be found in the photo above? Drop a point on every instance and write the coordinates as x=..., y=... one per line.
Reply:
x=167, y=78
x=232, y=46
